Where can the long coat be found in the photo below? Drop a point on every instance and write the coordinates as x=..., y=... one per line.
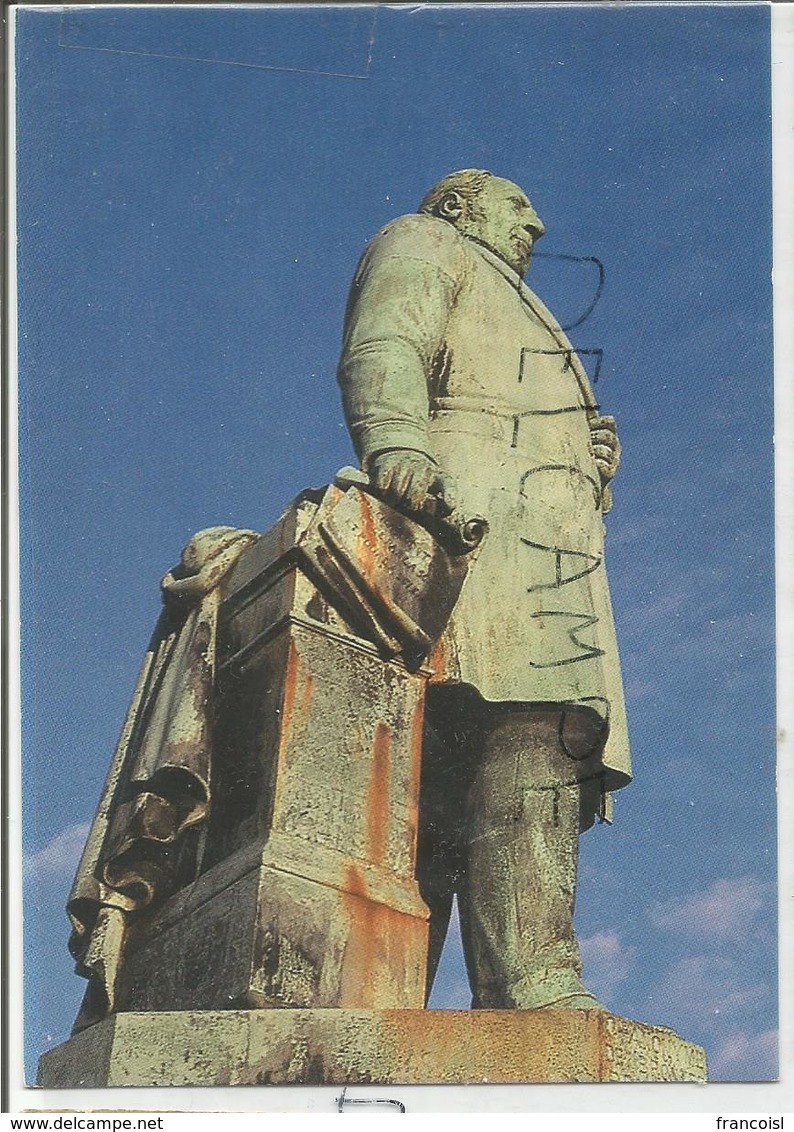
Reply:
x=447, y=352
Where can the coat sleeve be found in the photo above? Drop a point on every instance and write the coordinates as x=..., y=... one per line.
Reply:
x=397, y=313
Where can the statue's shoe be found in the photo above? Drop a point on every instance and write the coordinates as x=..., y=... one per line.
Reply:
x=575, y=1002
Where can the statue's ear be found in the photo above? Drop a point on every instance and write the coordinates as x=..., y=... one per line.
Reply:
x=452, y=206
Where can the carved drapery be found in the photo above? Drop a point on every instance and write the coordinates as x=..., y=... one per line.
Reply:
x=146, y=839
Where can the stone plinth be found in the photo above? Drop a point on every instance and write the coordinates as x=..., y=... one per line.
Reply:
x=307, y=896
x=335, y=1047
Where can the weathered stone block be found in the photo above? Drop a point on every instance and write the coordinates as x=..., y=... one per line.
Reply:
x=409, y=1047
x=307, y=896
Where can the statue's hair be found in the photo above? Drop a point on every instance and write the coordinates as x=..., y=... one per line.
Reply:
x=469, y=183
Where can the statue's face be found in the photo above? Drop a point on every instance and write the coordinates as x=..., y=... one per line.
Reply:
x=504, y=220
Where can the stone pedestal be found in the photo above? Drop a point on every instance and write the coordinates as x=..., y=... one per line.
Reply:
x=305, y=901
x=307, y=895
x=336, y=1047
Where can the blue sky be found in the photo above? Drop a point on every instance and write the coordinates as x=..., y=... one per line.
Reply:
x=195, y=187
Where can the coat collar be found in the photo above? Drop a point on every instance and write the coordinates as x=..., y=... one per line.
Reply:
x=538, y=308
x=512, y=276
x=541, y=312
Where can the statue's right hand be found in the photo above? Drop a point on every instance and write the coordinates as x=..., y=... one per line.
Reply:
x=410, y=482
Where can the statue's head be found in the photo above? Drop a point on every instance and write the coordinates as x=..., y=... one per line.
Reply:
x=489, y=209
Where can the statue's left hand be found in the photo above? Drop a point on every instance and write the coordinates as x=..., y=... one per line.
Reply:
x=605, y=446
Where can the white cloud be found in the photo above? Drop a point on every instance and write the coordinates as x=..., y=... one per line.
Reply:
x=724, y=996
x=727, y=911
x=57, y=860
x=607, y=962
x=745, y=1057
x=704, y=993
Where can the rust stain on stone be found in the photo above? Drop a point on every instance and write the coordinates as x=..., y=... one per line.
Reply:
x=355, y=884
x=378, y=793
x=437, y=660
x=359, y=967
x=602, y=1044
x=287, y=717
x=417, y=730
x=308, y=686
x=378, y=940
x=290, y=684
x=367, y=540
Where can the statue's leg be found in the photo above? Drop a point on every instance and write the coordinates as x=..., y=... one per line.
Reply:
x=517, y=895
x=445, y=784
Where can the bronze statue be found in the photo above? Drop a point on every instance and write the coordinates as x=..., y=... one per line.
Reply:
x=471, y=413
x=406, y=690
x=461, y=389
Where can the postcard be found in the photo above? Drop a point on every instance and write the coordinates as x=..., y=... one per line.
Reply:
x=514, y=262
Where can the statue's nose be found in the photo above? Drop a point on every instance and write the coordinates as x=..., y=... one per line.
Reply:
x=534, y=225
